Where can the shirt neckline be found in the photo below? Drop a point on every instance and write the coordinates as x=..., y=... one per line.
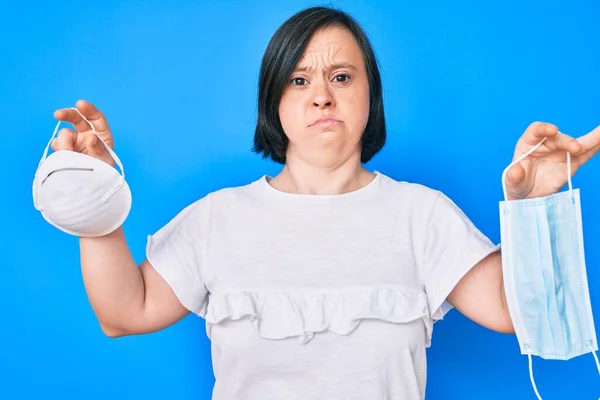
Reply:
x=264, y=184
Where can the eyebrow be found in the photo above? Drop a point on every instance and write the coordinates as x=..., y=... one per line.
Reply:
x=333, y=66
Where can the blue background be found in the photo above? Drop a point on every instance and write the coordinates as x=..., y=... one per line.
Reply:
x=462, y=80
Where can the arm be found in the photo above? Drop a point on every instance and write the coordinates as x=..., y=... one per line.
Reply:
x=126, y=299
x=480, y=296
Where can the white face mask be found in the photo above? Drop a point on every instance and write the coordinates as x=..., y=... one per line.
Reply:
x=79, y=194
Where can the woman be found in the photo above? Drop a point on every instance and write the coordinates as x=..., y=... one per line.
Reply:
x=324, y=281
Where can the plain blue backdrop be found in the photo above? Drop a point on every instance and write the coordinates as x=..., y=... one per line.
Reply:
x=178, y=82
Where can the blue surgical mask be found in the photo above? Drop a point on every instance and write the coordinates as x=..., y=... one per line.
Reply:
x=545, y=278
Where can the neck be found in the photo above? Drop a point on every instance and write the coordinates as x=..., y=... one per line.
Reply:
x=301, y=178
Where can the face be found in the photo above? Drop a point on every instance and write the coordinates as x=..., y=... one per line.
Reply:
x=325, y=104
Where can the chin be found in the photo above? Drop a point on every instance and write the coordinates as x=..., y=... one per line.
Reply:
x=329, y=136
x=328, y=157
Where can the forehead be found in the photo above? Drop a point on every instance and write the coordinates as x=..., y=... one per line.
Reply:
x=332, y=44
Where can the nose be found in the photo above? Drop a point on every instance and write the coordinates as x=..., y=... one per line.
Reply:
x=322, y=96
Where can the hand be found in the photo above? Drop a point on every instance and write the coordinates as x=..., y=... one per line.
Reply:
x=544, y=171
x=83, y=140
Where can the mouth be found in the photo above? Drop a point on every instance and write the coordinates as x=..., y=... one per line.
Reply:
x=325, y=122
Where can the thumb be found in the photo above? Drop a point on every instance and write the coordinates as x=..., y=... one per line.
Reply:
x=515, y=175
x=96, y=149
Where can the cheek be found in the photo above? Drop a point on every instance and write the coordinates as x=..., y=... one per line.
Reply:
x=359, y=109
x=289, y=116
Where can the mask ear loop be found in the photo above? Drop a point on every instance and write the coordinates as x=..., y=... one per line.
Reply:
x=534, y=148
x=595, y=357
x=569, y=177
x=49, y=143
x=35, y=194
x=531, y=375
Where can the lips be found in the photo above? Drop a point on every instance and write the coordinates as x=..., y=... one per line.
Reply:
x=325, y=121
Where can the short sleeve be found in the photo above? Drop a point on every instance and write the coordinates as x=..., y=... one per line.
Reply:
x=453, y=245
x=175, y=253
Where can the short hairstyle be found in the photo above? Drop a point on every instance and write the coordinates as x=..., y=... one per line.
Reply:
x=283, y=53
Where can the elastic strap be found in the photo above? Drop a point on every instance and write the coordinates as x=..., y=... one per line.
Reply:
x=531, y=375
x=595, y=357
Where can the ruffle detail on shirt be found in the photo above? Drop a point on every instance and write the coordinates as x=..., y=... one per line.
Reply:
x=301, y=314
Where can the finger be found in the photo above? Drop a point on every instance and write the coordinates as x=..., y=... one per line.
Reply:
x=55, y=145
x=538, y=131
x=64, y=114
x=583, y=158
x=591, y=145
x=71, y=116
x=66, y=139
x=564, y=143
x=89, y=111
x=76, y=144
x=590, y=140
x=93, y=115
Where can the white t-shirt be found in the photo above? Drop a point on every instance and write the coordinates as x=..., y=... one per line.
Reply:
x=318, y=296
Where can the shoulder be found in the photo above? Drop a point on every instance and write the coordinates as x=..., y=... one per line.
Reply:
x=198, y=216
x=426, y=205
x=224, y=198
x=410, y=193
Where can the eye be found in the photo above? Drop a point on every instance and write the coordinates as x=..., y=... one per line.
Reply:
x=298, y=81
x=342, y=78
